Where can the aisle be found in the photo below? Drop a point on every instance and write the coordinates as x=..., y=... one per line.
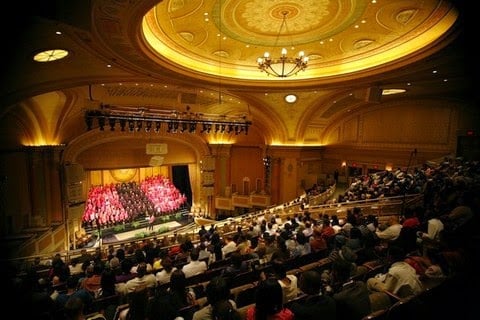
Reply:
x=339, y=190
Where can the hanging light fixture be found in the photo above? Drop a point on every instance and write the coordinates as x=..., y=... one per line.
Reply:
x=134, y=119
x=283, y=66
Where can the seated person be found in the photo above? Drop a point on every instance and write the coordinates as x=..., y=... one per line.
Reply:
x=351, y=296
x=315, y=303
x=195, y=266
x=218, y=292
x=401, y=278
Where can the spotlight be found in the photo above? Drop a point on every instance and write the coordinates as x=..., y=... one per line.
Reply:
x=148, y=126
x=111, y=122
x=176, y=122
x=123, y=123
x=172, y=127
x=193, y=127
x=139, y=125
x=101, y=123
x=157, y=126
x=89, y=122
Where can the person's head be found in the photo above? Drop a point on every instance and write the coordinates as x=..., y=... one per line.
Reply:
x=137, y=304
x=114, y=263
x=282, y=244
x=372, y=219
x=347, y=254
x=310, y=282
x=178, y=281
x=268, y=298
x=108, y=279
x=126, y=265
x=279, y=268
x=72, y=283
x=195, y=254
x=139, y=256
x=301, y=238
x=167, y=263
x=223, y=310
x=98, y=268
x=74, y=308
x=236, y=258
x=120, y=254
x=335, y=221
x=141, y=269
x=355, y=233
x=341, y=270
x=217, y=290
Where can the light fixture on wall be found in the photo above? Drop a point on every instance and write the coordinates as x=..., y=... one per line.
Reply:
x=283, y=66
x=150, y=120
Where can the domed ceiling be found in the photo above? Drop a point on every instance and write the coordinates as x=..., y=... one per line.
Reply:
x=201, y=56
x=339, y=37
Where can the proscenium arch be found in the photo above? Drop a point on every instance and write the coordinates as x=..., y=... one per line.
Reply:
x=94, y=138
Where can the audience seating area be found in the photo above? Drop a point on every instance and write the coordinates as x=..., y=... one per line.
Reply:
x=448, y=295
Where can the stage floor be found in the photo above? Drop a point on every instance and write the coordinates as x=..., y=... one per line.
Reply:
x=130, y=235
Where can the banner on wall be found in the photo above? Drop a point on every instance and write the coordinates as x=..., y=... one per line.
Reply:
x=74, y=183
x=156, y=148
x=74, y=173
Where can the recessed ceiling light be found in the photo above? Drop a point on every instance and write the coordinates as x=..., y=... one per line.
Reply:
x=50, y=55
x=386, y=92
x=290, y=98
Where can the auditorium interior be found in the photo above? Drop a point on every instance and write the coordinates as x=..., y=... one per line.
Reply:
x=107, y=92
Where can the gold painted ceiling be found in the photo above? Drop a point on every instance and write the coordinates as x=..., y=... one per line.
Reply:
x=175, y=54
x=339, y=37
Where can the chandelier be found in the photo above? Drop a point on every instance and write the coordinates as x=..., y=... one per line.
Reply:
x=283, y=66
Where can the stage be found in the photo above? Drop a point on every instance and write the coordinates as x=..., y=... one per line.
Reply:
x=138, y=229
x=128, y=235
